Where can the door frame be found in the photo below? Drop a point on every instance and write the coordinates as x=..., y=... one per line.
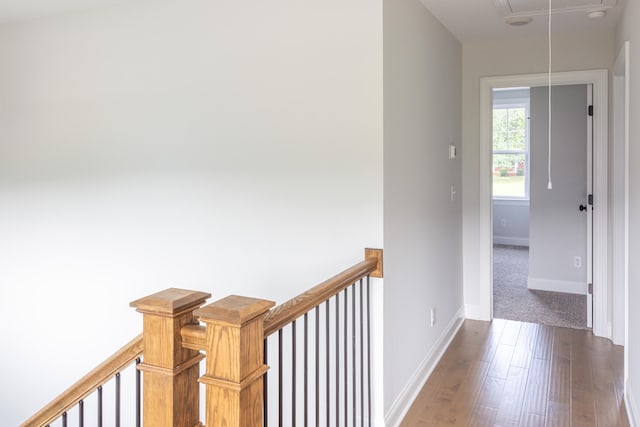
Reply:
x=589, y=211
x=620, y=198
x=599, y=79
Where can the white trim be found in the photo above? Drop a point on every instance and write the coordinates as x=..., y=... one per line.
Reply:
x=511, y=103
x=589, y=230
x=475, y=312
x=511, y=241
x=620, y=196
x=485, y=251
x=500, y=201
x=513, y=201
x=417, y=381
x=599, y=79
x=564, y=286
x=632, y=408
x=601, y=285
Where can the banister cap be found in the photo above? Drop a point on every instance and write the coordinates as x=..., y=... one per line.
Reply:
x=234, y=310
x=170, y=301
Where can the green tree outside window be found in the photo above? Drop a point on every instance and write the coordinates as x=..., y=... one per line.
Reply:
x=510, y=152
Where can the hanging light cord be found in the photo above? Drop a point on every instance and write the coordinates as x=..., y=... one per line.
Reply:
x=549, y=185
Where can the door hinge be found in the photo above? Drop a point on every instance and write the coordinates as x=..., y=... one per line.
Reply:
x=590, y=199
x=591, y=110
x=590, y=289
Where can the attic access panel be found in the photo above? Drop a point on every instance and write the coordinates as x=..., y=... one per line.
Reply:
x=540, y=7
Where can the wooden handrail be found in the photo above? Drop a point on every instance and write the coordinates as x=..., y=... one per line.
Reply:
x=81, y=389
x=194, y=337
x=289, y=311
x=169, y=324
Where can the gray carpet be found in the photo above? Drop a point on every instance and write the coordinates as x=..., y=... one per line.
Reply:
x=513, y=301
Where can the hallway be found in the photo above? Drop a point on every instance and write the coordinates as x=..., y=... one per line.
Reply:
x=508, y=373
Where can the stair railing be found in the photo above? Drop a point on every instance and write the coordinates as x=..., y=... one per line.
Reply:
x=322, y=356
x=74, y=397
x=235, y=339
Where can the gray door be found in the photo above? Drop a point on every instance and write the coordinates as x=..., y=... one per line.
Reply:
x=558, y=254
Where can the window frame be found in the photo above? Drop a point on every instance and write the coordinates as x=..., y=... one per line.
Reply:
x=514, y=103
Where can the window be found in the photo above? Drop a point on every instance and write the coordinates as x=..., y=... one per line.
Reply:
x=511, y=150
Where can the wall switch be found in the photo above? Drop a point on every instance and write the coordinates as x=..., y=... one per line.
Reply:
x=503, y=222
x=452, y=151
x=433, y=316
x=577, y=261
x=453, y=193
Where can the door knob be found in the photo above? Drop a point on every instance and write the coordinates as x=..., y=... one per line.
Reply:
x=583, y=208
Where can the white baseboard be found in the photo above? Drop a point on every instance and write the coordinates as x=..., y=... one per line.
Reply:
x=405, y=399
x=511, y=241
x=632, y=407
x=557, y=286
x=475, y=312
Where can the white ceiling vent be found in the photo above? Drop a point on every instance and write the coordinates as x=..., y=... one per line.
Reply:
x=516, y=8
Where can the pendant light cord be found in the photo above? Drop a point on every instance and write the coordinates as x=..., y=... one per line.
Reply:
x=549, y=185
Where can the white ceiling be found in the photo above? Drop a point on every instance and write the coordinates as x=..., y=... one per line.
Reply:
x=481, y=19
x=466, y=19
x=20, y=10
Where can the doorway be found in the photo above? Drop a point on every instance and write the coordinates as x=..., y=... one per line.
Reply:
x=599, y=79
x=541, y=237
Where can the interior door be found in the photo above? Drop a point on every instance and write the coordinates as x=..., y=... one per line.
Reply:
x=560, y=218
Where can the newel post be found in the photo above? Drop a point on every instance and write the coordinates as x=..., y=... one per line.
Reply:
x=170, y=371
x=235, y=361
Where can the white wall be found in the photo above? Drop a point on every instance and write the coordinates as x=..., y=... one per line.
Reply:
x=422, y=226
x=629, y=30
x=558, y=229
x=229, y=147
x=485, y=58
x=511, y=222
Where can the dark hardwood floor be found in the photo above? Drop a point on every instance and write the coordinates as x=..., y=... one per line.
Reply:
x=508, y=373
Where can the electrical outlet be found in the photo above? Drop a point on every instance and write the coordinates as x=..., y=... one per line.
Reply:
x=433, y=316
x=577, y=261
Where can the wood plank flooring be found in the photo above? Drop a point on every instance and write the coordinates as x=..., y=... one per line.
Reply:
x=508, y=373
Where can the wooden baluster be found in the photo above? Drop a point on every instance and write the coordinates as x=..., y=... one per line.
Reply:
x=171, y=389
x=235, y=361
